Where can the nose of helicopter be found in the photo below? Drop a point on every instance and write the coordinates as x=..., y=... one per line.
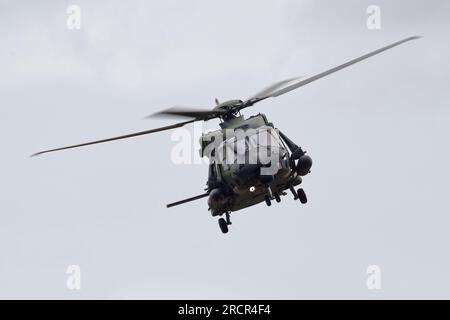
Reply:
x=249, y=172
x=252, y=173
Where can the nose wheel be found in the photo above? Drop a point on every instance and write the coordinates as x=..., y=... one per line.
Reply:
x=269, y=196
x=268, y=200
x=277, y=197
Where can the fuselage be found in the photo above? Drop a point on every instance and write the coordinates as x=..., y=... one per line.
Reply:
x=247, y=157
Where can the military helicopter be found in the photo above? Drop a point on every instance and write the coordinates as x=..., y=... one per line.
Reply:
x=234, y=185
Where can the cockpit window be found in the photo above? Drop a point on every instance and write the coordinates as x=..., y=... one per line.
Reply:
x=237, y=149
x=264, y=138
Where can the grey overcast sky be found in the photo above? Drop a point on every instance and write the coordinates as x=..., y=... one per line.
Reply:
x=378, y=133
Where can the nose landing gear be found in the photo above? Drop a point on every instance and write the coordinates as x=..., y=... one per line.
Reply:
x=270, y=196
x=268, y=200
x=277, y=197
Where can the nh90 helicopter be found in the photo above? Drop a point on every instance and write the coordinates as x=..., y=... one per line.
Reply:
x=232, y=186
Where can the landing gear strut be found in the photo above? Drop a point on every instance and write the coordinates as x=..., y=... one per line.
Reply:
x=293, y=192
x=227, y=215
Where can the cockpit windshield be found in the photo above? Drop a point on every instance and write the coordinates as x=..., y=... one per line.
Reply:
x=245, y=146
x=264, y=138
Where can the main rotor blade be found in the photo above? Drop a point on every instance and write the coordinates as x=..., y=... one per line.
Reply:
x=173, y=126
x=200, y=114
x=328, y=72
x=270, y=89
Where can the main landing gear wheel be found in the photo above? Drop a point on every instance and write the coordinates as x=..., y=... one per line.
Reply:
x=225, y=222
x=268, y=201
x=223, y=225
x=302, y=196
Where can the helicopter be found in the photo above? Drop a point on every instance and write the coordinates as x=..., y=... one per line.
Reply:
x=250, y=161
